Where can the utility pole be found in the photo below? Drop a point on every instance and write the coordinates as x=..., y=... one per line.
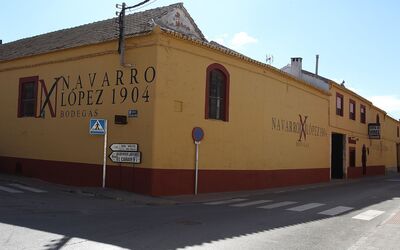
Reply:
x=121, y=28
x=121, y=40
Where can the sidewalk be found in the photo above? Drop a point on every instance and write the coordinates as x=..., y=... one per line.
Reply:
x=384, y=236
x=89, y=191
x=181, y=199
x=206, y=197
x=200, y=198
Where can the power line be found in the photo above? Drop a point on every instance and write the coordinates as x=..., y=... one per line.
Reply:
x=137, y=5
x=141, y=7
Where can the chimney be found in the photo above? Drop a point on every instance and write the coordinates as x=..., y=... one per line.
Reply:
x=296, y=66
x=316, y=64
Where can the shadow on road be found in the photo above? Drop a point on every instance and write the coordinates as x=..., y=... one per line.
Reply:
x=126, y=225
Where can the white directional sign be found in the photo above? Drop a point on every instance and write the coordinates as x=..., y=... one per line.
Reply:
x=124, y=147
x=125, y=157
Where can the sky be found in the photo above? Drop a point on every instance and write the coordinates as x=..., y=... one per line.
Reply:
x=357, y=41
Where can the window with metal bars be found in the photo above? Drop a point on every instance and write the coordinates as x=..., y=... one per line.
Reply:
x=339, y=104
x=28, y=88
x=352, y=109
x=363, y=113
x=217, y=93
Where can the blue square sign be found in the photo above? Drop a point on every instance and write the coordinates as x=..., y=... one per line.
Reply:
x=97, y=126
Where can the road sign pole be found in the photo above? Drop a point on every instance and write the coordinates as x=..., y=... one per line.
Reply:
x=197, y=135
x=196, y=167
x=105, y=154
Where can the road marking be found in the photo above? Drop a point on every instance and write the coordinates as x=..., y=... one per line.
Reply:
x=250, y=203
x=279, y=204
x=336, y=210
x=392, y=180
x=35, y=190
x=10, y=190
x=224, y=201
x=305, y=207
x=368, y=215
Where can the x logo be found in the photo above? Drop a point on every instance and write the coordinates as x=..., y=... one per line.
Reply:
x=303, y=127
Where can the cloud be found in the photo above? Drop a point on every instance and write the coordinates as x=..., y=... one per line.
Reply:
x=221, y=39
x=389, y=103
x=242, y=38
x=236, y=41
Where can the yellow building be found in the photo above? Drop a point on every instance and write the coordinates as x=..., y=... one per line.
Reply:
x=364, y=139
x=262, y=127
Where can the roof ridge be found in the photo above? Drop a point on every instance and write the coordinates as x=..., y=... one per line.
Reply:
x=89, y=33
x=56, y=31
x=179, y=4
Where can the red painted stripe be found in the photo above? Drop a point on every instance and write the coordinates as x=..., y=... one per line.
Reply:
x=356, y=172
x=160, y=181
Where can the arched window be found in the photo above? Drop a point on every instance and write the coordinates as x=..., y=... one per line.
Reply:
x=217, y=93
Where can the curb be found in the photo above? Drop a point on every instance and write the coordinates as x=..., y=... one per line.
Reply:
x=208, y=197
x=122, y=195
x=98, y=192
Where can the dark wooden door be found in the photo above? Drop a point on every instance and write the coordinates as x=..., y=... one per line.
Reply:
x=337, y=156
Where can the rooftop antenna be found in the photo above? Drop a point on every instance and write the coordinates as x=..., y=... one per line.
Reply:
x=269, y=59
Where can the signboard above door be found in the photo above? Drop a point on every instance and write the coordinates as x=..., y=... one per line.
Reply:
x=374, y=131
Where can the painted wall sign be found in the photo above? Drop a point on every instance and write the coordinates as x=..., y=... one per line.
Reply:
x=97, y=126
x=374, y=131
x=302, y=127
x=125, y=157
x=80, y=96
x=124, y=147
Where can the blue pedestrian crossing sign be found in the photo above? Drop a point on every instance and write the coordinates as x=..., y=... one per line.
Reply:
x=97, y=126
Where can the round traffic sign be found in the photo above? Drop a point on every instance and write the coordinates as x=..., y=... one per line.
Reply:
x=197, y=134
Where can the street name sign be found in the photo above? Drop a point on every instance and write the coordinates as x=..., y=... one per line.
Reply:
x=125, y=157
x=124, y=147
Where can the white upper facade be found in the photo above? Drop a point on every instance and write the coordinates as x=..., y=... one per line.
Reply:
x=295, y=69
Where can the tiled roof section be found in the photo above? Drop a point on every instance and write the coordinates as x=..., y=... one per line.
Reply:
x=316, y=76
x=97, y=32
x=216, y=46
x=329, y=81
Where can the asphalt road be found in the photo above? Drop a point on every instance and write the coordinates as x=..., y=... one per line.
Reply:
x=346, y=215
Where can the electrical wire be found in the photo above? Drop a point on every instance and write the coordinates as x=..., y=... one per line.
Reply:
x=141, y=7
x=137, y=5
